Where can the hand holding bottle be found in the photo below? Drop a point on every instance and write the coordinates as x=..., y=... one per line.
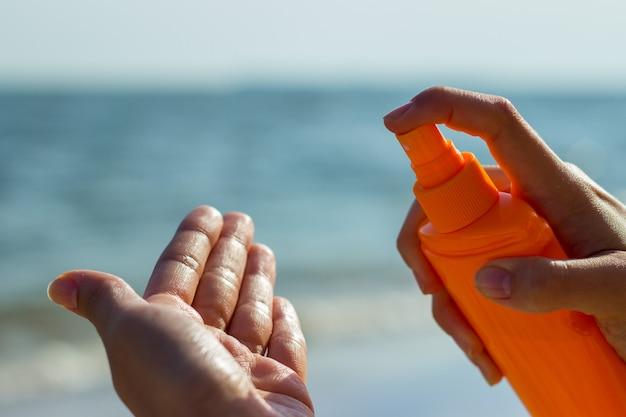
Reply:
x=589, y=223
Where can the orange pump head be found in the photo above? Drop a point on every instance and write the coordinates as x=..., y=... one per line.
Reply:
x=452, y=187
x=433, y=158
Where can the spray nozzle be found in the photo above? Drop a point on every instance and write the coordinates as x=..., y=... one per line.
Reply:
x=433, y=158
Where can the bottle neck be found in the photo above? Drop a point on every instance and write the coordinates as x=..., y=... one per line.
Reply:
x=453, y=188
x=458, y=200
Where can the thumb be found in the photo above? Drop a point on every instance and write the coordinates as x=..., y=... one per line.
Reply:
x=594, y=285
x=97, y=296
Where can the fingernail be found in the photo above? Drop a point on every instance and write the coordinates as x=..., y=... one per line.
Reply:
x=64, y=291
x=494, y=282
x=397, y=113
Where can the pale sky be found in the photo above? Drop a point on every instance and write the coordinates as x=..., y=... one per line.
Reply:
x=230, y=42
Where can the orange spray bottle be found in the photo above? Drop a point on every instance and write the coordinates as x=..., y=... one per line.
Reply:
x=558, y=363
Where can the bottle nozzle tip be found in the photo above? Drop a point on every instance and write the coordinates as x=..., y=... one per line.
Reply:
x=433, y=158
x=423, y=144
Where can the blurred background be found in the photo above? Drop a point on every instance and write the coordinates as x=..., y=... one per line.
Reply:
x=118, y=117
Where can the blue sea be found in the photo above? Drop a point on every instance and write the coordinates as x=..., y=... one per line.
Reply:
x=100, y=180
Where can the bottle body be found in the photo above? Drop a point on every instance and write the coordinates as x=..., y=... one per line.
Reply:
x=558, y=363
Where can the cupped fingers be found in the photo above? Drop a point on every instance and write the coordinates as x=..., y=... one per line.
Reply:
x=287, y=344
x=451, y=320
x=251, y=323
x=410, y=249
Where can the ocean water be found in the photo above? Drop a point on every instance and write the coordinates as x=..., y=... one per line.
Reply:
x=100, y=180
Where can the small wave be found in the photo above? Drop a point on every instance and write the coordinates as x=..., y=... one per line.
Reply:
x=51, y=368
x=75, y=360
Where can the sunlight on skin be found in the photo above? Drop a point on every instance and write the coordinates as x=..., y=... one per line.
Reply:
x=589, y=223
x=166, y=359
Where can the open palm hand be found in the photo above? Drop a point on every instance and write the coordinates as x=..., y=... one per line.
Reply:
x=208, y=338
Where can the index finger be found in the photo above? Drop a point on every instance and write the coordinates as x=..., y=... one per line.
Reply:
x=517, y=148
x=178, y=270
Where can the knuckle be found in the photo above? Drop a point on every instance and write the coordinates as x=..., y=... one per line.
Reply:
x=507, y=114
x=506, y=111
x=407, y=243
x=527, y=283
x=539, y=282
x=256, y=313
x=580, y=179
x=619, y=257
x=95, y=299
x=214, y=315
x=559, y=277
x=291, y=342
x=252, y=334
x=505, y=107
x=436, y=92
x=186, y=259
x=202, y=225
x=401, y=242
x=225, y=277
x=573, y=167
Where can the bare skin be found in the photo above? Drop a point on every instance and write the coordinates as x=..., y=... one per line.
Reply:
x=208, y=338
x=588, y=221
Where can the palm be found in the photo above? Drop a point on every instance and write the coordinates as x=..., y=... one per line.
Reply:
x=279, y=386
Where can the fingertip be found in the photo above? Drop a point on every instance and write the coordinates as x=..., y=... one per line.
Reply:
x=479, y=356
x=263, y=249
x=495, y=380
x=63, y=290
x=283, y=308
x=490, y=373
x=286, y=318
x=239, y=224
x=391, y=118
x=261, y=259
x=205, y=210
x=388, y=124
x=93, y=295
x=204, y=219
x=239, y=217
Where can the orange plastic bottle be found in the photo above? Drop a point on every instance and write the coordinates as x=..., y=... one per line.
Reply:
x=558, y=363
